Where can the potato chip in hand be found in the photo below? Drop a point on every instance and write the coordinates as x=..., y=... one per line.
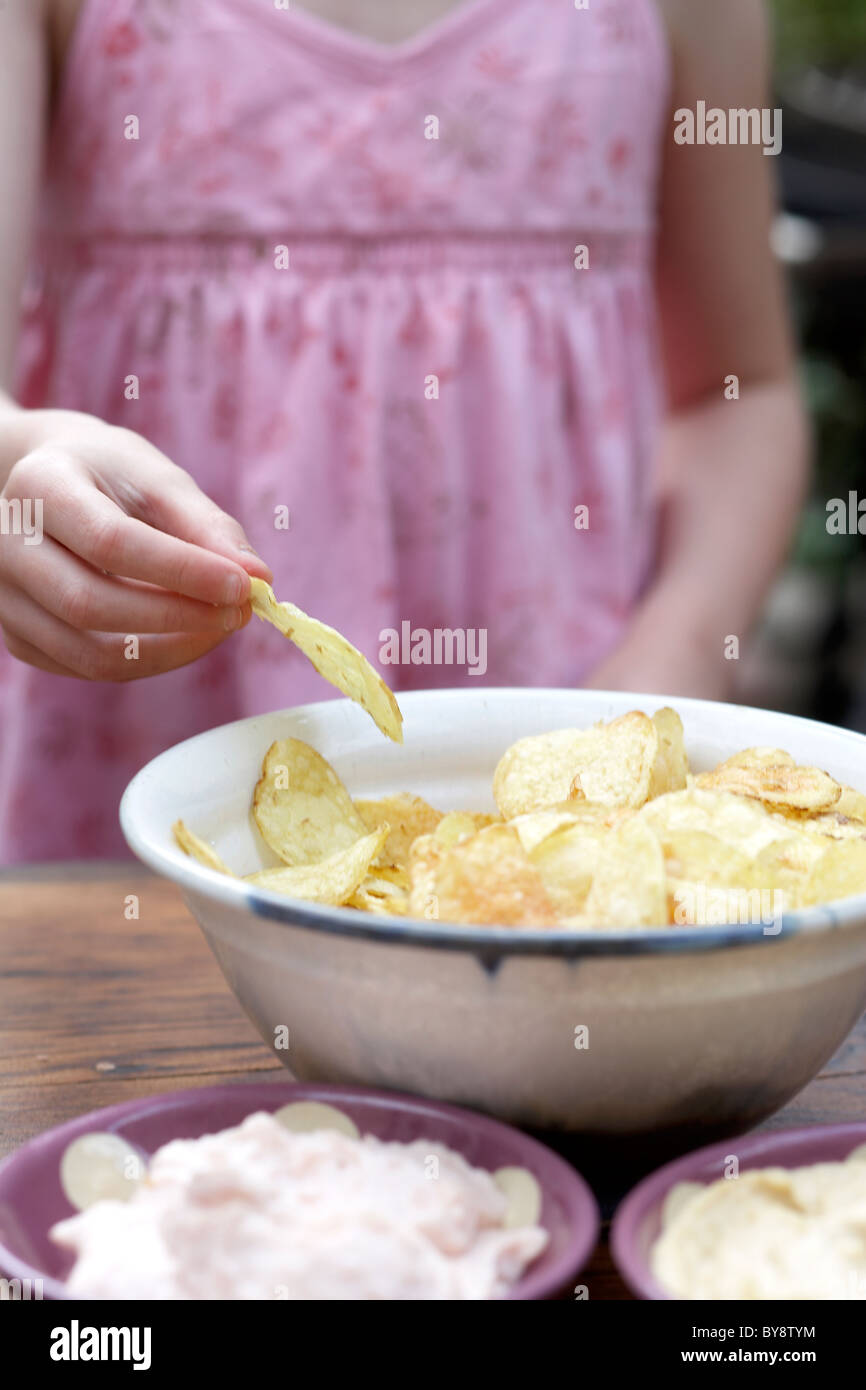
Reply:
x=333, y=656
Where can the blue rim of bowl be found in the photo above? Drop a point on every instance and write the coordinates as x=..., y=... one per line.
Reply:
x=494, y=942
x=489, y=944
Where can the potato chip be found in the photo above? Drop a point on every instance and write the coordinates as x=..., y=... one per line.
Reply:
x=839, y=873
x=385, y=891
x=424, y=859
x=671, y=765
x=535, y=826
x=793, y=853
x=312, y=1116
x=628, y=886
x=851, y=805
x=100, y=1167
x=784, y=866
x=737, y=820
x=696, y=856
x=332, y=880
x=408, y=817
x=566, y=861
x=832, y=826
x=523, y=1195
x=199, y=849
x=333, y=656
x=609, y=763
x=759, y=757
x=486, y=878
x=781, y=786
x=301, y=807
x=482, y=819
x=457, y=825
x=708, y=881
x=383, y=900
x=396, y=875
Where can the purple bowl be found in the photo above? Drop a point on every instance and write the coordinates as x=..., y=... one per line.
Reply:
x=637, y=1223
x=31, y=1198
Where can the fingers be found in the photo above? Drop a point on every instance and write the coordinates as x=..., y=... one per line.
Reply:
x=32, y=656
x=153, y=489
x=187, y=512
x=90, y=525
x=136, y=570
x=87, y=599
x=94, y=656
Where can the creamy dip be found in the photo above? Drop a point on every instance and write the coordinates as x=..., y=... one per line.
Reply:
x=771, y=1233
x=259, y=1212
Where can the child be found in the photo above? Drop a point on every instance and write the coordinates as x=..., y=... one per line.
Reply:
x=436, y=311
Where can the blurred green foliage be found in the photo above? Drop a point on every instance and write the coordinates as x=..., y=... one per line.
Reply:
x=829, y=32
x=833, y=367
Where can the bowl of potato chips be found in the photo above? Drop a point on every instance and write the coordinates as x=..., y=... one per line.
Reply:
x=595, y=912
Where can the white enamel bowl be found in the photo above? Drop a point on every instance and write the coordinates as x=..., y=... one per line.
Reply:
x=692, y=1032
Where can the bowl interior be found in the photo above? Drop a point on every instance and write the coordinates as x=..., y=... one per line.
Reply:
x=453, y=741
x=637, y=1223
x=31, y=1197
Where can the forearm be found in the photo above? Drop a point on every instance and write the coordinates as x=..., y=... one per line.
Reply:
x=733, y=476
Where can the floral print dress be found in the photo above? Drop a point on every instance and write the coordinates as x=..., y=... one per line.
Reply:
x=347, y=279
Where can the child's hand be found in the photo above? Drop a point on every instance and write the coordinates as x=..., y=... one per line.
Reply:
x=129, y=546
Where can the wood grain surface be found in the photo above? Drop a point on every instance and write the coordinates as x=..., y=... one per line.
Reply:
x=98, y=1006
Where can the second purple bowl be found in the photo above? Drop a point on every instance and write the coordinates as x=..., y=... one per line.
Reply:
x=637, y=1223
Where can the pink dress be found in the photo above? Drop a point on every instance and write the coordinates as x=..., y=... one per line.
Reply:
x=431, y=387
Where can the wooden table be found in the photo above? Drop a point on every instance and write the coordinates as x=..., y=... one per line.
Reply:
x=98, y=1006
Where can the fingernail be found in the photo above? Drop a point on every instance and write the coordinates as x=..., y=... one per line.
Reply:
x=233, y=589
x=233, y=619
